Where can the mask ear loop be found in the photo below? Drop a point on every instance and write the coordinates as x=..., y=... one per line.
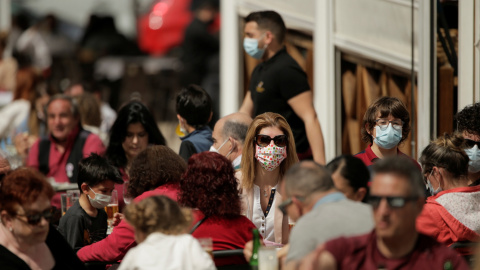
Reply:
x=234, y=145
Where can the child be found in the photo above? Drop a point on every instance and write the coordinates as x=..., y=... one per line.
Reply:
x=161, y=233
x=85, y=222
x=194, y=111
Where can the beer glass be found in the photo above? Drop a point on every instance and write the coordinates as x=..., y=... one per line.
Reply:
x=111, y=209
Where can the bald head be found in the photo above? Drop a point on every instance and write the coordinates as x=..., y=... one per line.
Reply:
x=229, y=134
x=307, y=177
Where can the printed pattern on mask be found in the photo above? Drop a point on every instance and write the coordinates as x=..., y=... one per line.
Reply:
x=270, y=156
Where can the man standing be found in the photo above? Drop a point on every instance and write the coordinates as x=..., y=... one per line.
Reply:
x=320, y=210
x=280, y=85
x=397, y=197
x=228, y=136
x=58, y=155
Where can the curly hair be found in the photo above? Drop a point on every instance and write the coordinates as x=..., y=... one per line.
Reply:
x=132, y=113
x=385, y=106
x=447, y=152
x=209, y=184
x=158, y=214
x=155, y=166
x=468, y=119
x=249, y=162
x=22, y=187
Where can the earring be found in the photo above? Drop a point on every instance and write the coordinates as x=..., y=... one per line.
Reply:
x=10, y=229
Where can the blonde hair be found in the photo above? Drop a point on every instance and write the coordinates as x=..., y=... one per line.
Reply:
x=158, y=214
x=249, y=162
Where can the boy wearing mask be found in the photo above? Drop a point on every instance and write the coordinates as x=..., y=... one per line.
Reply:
x=468, y=125
x=386, y=124
x=85, y=222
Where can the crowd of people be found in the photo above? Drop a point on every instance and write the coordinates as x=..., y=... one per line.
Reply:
x=378, y=209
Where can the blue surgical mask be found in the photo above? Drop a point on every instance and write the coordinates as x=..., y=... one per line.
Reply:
x=430, y=187
x=387, y=138
x=474, y=156
x=251, y=48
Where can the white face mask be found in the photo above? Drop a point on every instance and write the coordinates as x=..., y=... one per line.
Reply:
x=213, y=149
x=100, y=200
x=430, y=187
x=474, y=156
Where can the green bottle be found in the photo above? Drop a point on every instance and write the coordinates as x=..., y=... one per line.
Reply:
x=256, y=246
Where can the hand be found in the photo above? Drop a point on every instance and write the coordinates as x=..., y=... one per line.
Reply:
x=313, y=259
x=282, y=255
x=4, y=166
x=247, y=250
x=117, y=217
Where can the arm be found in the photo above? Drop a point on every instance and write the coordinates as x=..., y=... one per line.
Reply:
x=112, y=248
x=317, y=259
x=32, y=160
x=247, y=105
x=302, y=105
x=93, y=144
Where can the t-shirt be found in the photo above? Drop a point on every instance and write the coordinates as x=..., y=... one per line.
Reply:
x=198, y=141
x=330, y=220
x=361, y=252
x=273, y=83
x=368, y=157
x=81, y=229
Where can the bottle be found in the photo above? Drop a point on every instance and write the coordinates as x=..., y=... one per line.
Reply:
x=256, y=246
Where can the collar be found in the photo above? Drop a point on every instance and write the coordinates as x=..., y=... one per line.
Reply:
x=332, y=197
x=371, y=155
x=204, y=130
x=273, y=58
x=236, y=162
x=70, y=138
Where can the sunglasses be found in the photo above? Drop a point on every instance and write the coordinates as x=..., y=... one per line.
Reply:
x=472, y=143
x=264, y=140
x=283, y=205
x=393, y=202
x=34, y=219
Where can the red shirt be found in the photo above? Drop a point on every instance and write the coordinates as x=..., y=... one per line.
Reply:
x=116, y=245
x=361, y=252
x=57, y=161
x=226, y=234
x=368, y=157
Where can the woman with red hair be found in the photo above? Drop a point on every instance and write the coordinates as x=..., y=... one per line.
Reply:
x=209, y=186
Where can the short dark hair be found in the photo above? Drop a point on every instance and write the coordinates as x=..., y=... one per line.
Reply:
x=403, y=167
x=386, y=106
x=468, y=119
x=352, y=169
x=302, y=179
x=155, y=166
x=133, y=112
x=447, y=152
x=195, y=105
x=271, y=21
x=95, y=169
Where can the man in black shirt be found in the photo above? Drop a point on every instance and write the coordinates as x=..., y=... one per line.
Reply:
x=280, y=85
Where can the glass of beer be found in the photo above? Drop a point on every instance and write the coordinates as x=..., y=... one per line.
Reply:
x=111, y=209
x=207, y=245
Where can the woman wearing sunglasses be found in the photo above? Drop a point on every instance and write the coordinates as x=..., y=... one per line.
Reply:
x=27, y=241
x=452, y=214
x=269, y=151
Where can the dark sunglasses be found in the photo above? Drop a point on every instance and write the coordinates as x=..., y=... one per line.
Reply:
x=264, y=140
x=393, y=202
x=472, y=143
x=283, y=205
x=34, y=219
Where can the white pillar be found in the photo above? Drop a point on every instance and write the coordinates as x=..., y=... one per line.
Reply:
x=467, y=94
x=324, y=75
x=231, y=95
x=5, y=16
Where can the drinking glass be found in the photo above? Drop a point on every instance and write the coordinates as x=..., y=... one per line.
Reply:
x=267, y=258
x=111, y=209
x=207, y=245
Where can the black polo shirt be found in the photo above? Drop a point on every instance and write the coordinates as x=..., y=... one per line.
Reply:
x=273, y=83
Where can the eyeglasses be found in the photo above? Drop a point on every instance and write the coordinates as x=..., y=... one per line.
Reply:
x=264, y=140
x=283, y=205
x=34, y=219
x=383, y=123
x=393, y=202
x=471, y=143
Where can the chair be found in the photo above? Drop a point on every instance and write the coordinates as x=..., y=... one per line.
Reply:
x=232, y=253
